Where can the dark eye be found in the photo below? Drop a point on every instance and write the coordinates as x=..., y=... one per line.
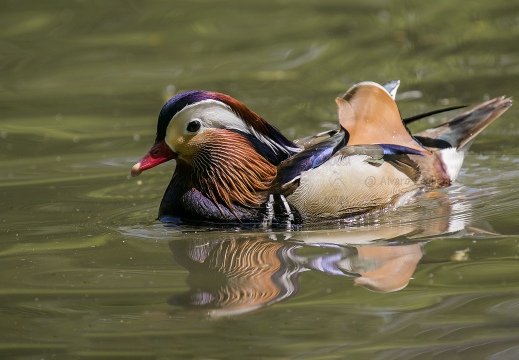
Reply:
x=193, y=126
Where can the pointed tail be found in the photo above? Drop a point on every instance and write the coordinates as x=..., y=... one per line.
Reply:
x=450, y=142
x=461, y=130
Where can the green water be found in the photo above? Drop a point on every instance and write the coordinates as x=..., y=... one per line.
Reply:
x=87, y=272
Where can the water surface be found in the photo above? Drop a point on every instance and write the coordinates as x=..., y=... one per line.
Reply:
x=87, y=272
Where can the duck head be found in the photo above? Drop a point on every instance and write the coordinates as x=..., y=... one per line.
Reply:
x=228, y=152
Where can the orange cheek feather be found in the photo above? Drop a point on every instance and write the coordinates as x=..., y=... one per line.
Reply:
x=227, y=168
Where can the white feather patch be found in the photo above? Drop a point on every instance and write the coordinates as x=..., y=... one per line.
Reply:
x=453, y=160
x=215, y=114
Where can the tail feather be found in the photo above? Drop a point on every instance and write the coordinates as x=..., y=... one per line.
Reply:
x=461, y=130
x=449, y=142
x=411, y=119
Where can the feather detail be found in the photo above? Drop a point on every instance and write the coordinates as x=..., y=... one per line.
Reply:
x=226, y=168
x=411, y=119
x=258, y=126
x=462, y=129
x=290, y=170
x=370, y=116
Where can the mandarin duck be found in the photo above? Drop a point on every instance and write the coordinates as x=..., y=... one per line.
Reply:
x=232, y=166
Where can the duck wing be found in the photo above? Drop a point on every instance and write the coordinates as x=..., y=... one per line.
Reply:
x=370, y=125
x=369, y=115
x=289, y=171
x=309, y=141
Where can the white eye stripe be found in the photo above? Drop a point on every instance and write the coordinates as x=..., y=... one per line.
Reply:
x=214, y=114
x=210, y=113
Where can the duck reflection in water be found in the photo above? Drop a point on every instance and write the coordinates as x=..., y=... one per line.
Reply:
x=238, y=274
